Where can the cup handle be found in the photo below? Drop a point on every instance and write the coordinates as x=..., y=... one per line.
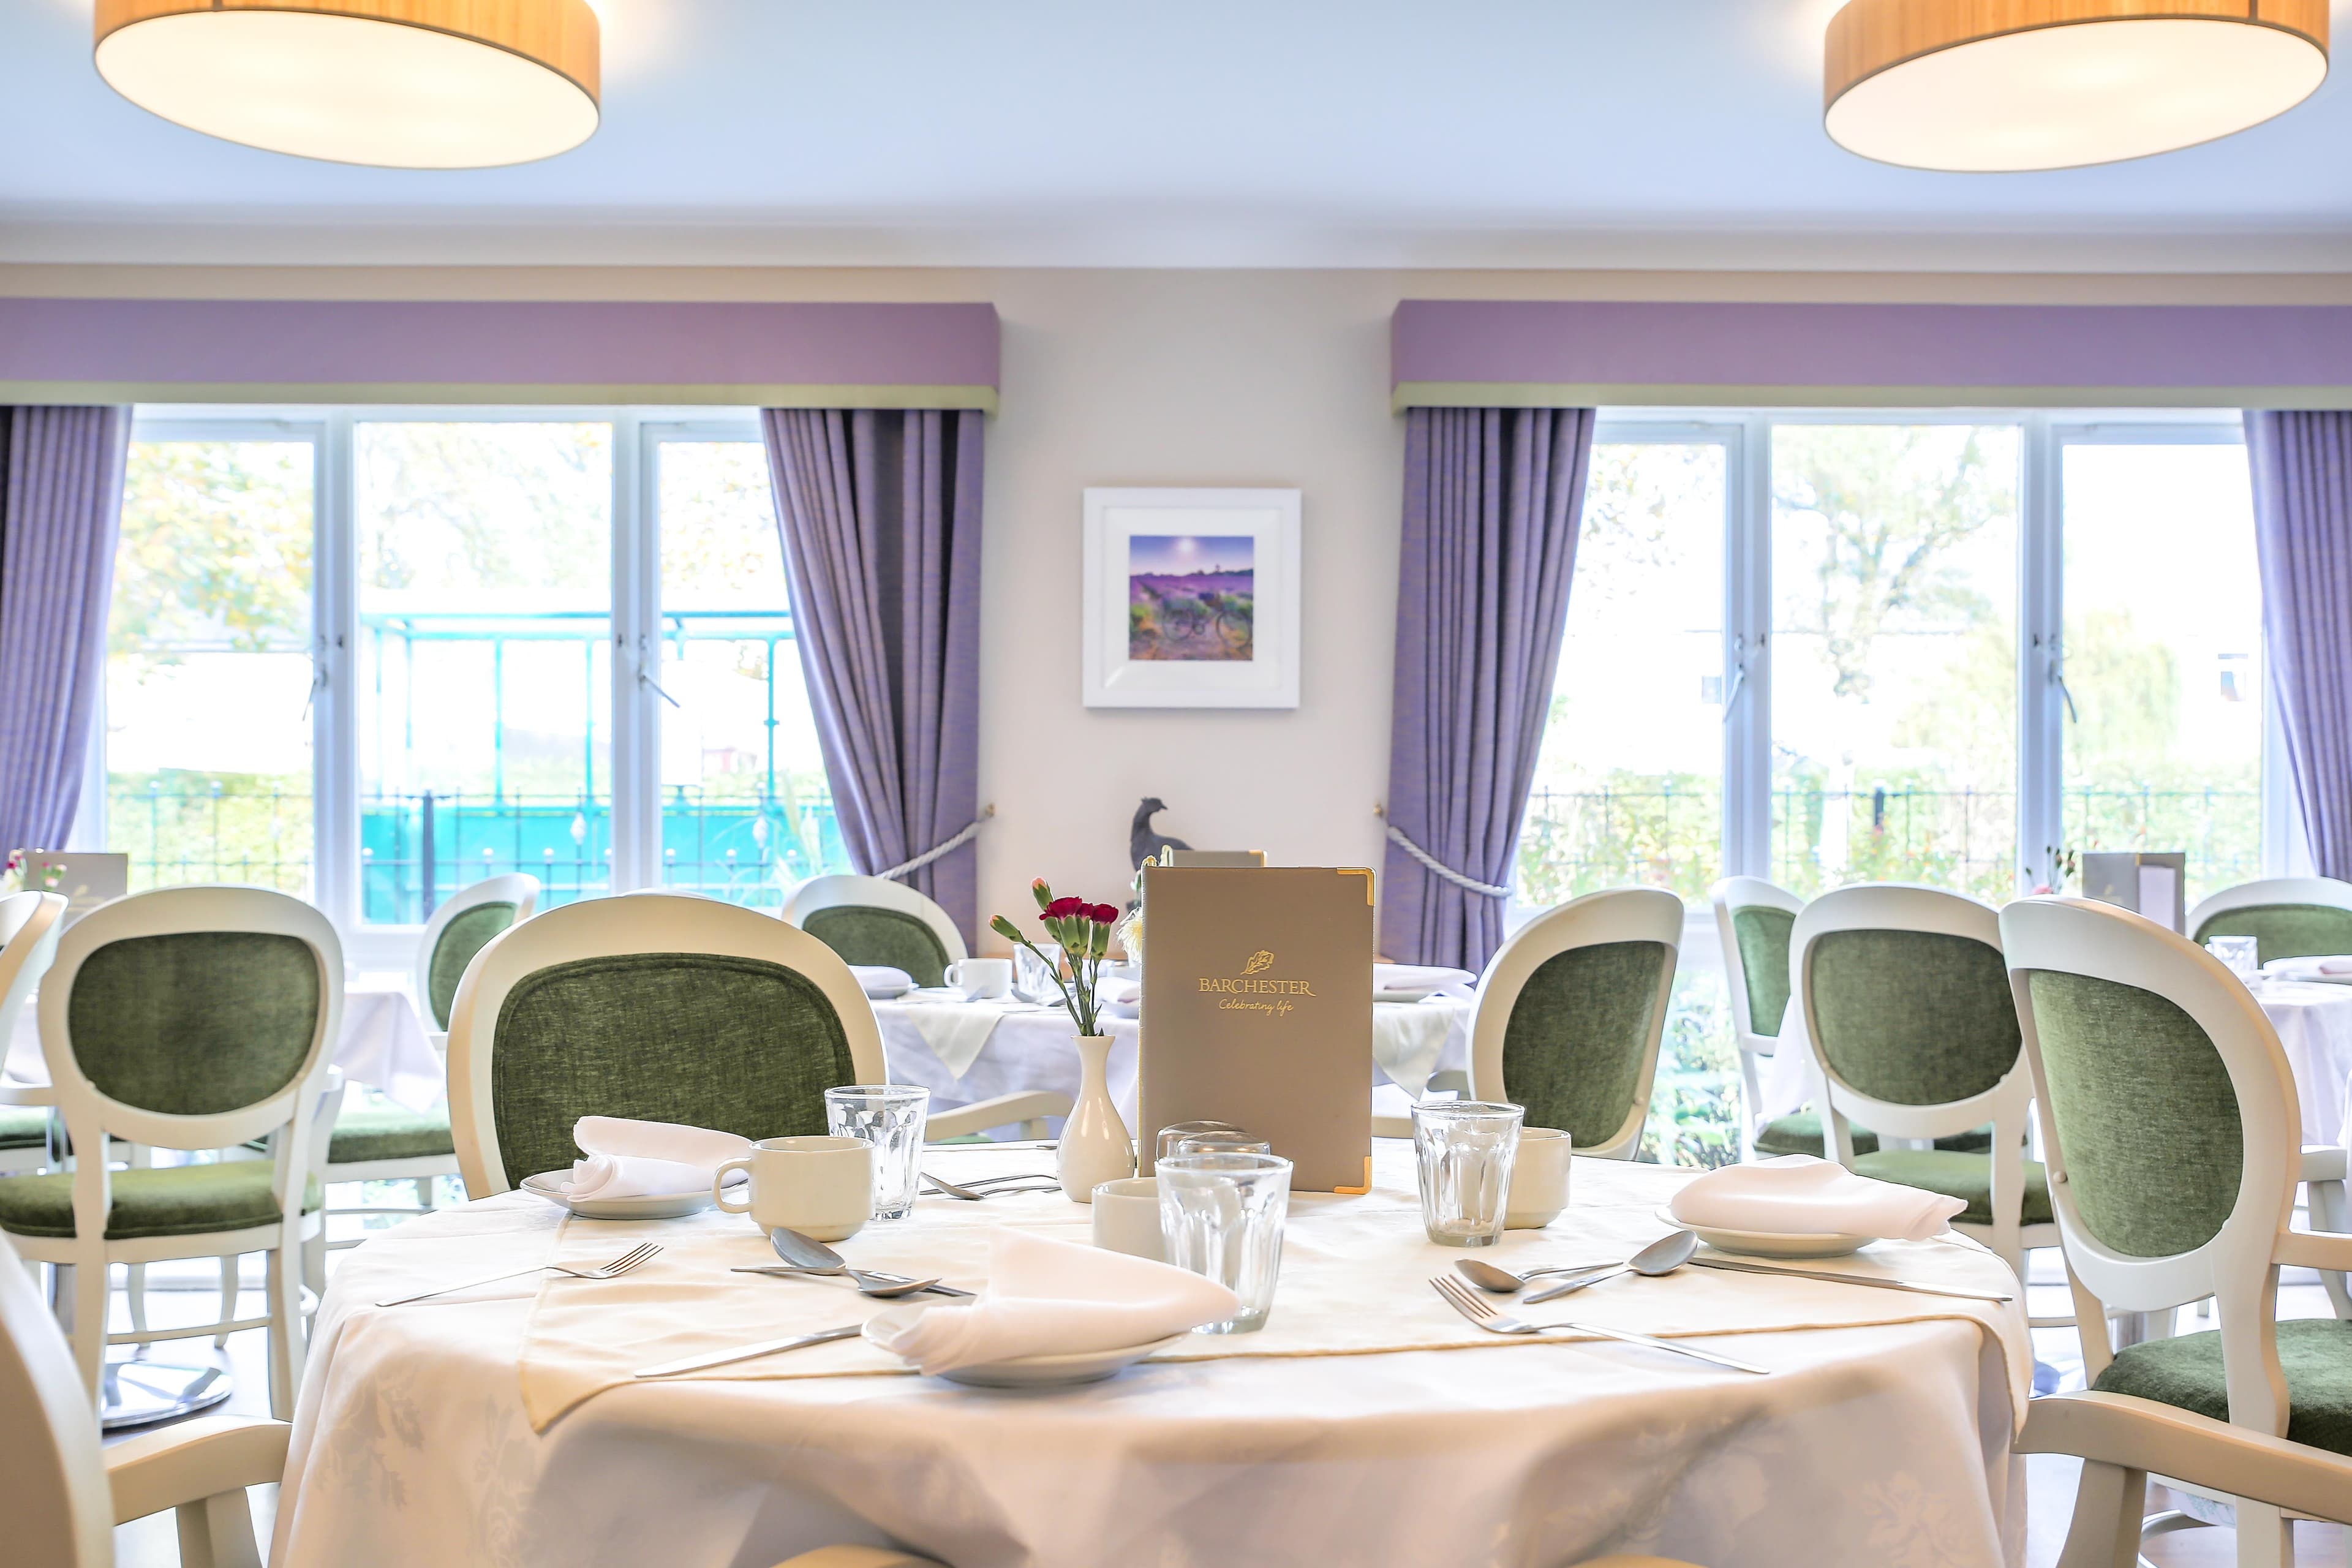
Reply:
x=948, y=976
x=719, y=1186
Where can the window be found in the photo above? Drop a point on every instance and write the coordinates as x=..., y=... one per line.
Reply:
x=207, y=742
x=550, y=641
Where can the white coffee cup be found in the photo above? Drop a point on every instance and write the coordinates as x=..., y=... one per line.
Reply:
x=822, y=1187
x=1539, y=1179
x=981, y=978
x=1127, y=1218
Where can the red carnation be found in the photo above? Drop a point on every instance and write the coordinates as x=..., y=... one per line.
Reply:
x=1102, y=915
x=1064, y=908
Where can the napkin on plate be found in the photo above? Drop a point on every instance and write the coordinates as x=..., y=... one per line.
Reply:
x=628, y=1159
x=1053, y=1297
x=2335, y=967
x=1389, y=977
x=882, y=981
x=1798, y=1194
x=1122, y=998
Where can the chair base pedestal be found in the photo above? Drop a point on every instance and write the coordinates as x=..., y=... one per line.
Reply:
x=139, y=1393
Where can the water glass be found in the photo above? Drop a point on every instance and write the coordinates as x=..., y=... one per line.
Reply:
x=1234, y=1142
x=1220, y=1215
x=1032, y=977
x=2241, y=955
x=1464, y=1151
x=889, y=1117
x=1175, y=1132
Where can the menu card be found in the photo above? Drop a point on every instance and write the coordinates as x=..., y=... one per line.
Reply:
x=1257, y=1010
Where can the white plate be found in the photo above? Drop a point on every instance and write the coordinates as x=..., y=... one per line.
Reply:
x=1408, y=994
x=1771, y=1242
x=887, y=993
x=1051, y=1370
x=548, y=1184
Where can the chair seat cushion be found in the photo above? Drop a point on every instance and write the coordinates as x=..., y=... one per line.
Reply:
x=2186, y=1372
x=1802, y=1134
x=24, y=1127
x=1957, y=1175
x=389, y=1132
x=173, y=1199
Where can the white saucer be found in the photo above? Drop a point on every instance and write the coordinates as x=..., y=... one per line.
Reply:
x=1408, y=994
x=548, y=1184
x=888, y=992
x=1771, y=1242
x=1050, y=1370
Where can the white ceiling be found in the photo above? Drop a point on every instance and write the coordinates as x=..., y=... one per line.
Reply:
x=1213, y=132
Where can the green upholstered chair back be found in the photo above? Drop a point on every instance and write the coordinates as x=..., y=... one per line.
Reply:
x=2283, y=931
x=1914, y=1017
x=2147, y=1121
x=866, y=933
x=1762, y=934
x=708, y=1039
x=1581, y=1033
x=194, y=1022
x=454, y=947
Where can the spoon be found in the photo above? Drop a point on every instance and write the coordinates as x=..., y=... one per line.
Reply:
x=867, y=1284
x=1664, y=1256
x=807, y=1255
x=1502, y=1281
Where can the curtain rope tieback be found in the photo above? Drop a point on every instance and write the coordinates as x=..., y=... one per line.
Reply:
x=1468, y=885
x=970, y=831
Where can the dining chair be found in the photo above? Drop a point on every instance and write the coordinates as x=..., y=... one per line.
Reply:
x=874, y=921
x=191, y=1019
x=2169, y=1122
x=2288, y=917
x=1906, y=1010
x=62, y=1493
x=29, y=926
x=1567, y=1018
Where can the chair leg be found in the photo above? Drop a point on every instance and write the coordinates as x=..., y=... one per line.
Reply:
x=230, y=1284
x=134, y=1292
x=89, y=1303
x=2330, y=1211
x=217, y=1532
x=314, y=1261
x=285, y=1286
x=425, y=1186
x=2265, y=1536
x=2105, y=1532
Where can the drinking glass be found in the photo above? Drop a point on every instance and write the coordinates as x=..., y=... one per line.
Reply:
x=1175, y=1132
x=1234, y=1142
x=1220, y=1214
x=1032, y=977
x=1464, y=1151
x=890, y=1117
x=2241, y=955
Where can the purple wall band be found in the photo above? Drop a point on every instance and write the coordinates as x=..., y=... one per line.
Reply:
x=1700, y=344
x=343, y=343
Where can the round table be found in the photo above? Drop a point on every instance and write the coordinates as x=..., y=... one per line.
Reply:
x=425, y=1434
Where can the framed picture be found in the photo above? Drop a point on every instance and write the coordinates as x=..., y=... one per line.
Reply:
x=1191, y=598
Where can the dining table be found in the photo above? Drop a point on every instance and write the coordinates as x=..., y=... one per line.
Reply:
x=1367, y=1423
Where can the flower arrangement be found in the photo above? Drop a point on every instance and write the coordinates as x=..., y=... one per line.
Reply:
x=1082, y=929
x=12, y=876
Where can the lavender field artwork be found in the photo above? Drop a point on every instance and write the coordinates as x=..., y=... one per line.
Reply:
x=1190, y=597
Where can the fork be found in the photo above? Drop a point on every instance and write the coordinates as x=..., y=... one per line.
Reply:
x=1473, y=1305
x=971, y=1192
x=641, y=1252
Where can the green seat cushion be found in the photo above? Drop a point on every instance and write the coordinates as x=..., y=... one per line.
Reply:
x=1957, y=1175
x=464, y=935
x=1578, y=1032
x=892, y=939
x=1802, y=1134
x=389, y=1132
x=24, y=1127
x=2185, y=1373
x=175, y=1200
x=2284, y=930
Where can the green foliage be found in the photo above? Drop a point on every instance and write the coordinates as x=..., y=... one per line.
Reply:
x=463, y=507
x=180, y=827
x=215, y=550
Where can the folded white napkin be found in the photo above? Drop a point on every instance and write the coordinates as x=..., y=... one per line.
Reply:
x=956, y=1031
x=1122, y=998
x=629, y=1159
x=1417, y=977
x=2333, y=967
x=1053, y=1297
x=882, y=981
x=1799, y=1194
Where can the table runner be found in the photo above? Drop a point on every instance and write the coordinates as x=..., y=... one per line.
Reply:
x=1354, y=1282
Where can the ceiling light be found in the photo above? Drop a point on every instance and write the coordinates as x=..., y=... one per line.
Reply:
x=2003, y=85
x=412, y=84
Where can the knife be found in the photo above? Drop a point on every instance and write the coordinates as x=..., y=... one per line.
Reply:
x=750, y=1353
x=1850, y=1279
x=787, y=1271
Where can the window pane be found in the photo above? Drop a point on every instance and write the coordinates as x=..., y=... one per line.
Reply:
x=208, y=665
x=1629, y=785
x=1895, y=656
x=2164, y=658
x=485, y=659
x=745, y=809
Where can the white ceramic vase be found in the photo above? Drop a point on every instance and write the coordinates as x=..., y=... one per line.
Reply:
x=1094, y=1145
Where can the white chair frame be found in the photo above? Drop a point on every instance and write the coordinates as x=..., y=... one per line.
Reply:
x=1614, y=914
x=2239, y=1266
x=875, y=892
x=29, y=928
x=92, y=1116
x=1757, y=1038
x=2325, y=891
x=1909, y=907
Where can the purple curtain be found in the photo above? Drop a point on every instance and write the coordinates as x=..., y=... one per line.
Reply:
x=2301, y=468
x=1493, y=499
x=60, y=502
x=880, y=516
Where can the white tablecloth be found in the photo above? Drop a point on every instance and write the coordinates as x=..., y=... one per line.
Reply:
x=381, y=1044
x=1875, y=1443
x=2313, y=1023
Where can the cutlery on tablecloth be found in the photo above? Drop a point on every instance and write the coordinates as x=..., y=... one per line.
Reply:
x=1664, y=1256
x=750, y=1353
x=885, y=1286
x=1474, y=1307
x=1502, y=1281
x=619, y=1266
x=971, y=1191
x=807, y=1255
x=1874, y=1283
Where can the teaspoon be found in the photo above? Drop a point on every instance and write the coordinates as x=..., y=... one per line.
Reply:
x=1502, y=1281
x=867, y=1284
x=1664, y=1256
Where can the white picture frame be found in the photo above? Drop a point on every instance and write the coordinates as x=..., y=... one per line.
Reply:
x=1164, y=616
